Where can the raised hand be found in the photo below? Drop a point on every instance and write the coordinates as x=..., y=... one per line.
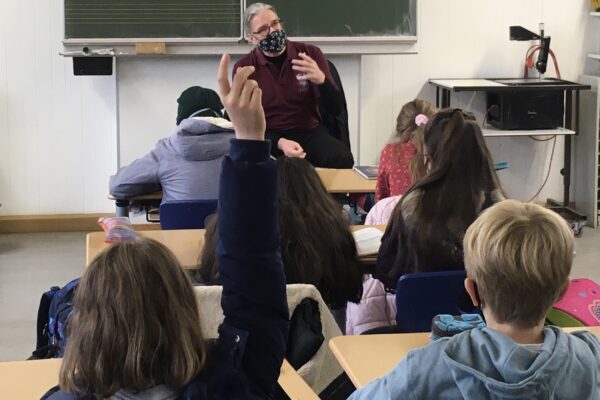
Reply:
x=291, y=148
x=309, y=68
x=242, y=100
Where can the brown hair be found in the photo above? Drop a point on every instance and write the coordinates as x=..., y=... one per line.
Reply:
x=135, y=323
x=208, y=266
x=316, y=244
x=407, y=129
x=520, y=256
x=430, y=220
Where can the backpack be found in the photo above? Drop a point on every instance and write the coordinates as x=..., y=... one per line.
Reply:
x=580, y=306
x=56, y=307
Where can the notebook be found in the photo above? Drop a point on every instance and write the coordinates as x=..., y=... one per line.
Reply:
x=367, y=171
x=367, y=241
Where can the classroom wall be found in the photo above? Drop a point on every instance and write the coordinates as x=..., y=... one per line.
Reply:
x=61, y=136
x=469, y=38
x=57, y=131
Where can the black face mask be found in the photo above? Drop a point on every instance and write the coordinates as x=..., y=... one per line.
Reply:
x=274, y=42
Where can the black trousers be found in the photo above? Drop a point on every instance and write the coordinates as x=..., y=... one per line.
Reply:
x=322, y=149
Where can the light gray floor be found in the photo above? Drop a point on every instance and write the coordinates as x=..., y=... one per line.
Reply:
x=32, y=263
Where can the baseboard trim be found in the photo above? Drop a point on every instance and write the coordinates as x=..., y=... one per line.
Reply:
x=50, y=223
x=59, y=223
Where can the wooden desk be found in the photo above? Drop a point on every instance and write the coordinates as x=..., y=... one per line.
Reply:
x=345, y=181
x=29, y=380
x=368, y=357
x=186, y=244
x=335, y=181
x=293, y=385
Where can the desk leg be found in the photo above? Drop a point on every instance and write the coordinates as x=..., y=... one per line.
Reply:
x=122, y=208
x=573, y=217
x=567, y=164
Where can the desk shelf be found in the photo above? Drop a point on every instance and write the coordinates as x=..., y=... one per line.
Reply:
x=595, y=13
x=490, y=131
x=594, y=56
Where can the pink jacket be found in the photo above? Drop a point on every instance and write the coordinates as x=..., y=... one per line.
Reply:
x=377, y=308
x=382, y=211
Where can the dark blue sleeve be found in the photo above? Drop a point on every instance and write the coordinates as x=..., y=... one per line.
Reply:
x=254, y=296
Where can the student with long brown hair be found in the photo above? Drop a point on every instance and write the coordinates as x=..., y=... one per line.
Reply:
x=316, y=244
x=427, y=226
x=136, y=333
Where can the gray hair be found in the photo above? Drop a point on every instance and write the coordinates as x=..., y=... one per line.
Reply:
x=251, y=12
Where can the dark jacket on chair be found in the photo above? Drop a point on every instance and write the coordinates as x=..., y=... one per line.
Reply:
x=336, y=124
x=246, y=358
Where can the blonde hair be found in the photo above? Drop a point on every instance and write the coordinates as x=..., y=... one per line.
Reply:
x=135, y=323
x=520, y=256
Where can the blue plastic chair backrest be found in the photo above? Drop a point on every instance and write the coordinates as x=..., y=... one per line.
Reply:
x=422, y=295
x=188, y=214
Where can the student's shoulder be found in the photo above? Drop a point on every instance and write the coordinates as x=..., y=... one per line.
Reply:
x=585, y=339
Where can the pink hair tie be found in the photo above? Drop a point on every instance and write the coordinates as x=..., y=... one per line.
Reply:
x=421, y=119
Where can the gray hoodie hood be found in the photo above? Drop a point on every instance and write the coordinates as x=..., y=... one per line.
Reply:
x=487, y=364
x=202, y=138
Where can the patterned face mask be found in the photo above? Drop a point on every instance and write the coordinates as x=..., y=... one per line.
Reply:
x=274, y=42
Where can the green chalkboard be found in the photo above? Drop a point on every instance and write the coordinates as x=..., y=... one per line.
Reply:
x=347, y=18
x=152, y=19
x=123, y=19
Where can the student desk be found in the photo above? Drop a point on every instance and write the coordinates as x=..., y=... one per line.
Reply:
x=368, y=357
x=186, y=244
x=29, y=380
x=345, y=181
x=335, y=181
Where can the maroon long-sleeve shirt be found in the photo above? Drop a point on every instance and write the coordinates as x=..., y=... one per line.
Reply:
x=289, y=104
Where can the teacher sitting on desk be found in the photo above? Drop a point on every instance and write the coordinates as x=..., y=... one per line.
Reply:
x=292, y=77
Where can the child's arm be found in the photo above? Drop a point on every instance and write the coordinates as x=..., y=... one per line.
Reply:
x=254, y=296
x=139, y=177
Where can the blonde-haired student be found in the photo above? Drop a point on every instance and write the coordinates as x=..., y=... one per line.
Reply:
x=401, y=161
x=518, y=258
x=136, y=333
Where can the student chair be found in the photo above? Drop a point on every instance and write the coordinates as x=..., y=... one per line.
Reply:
x=188, y=214
x=337, y=125
x=322, y=369
x=421, y=296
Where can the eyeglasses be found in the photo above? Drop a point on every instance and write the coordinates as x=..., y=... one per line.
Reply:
x=263, y=31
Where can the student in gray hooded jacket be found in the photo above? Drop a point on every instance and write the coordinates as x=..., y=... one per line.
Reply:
x=518, y=258
x=186, y=165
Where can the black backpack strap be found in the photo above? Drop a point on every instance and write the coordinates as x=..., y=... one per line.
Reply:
x=42, y=317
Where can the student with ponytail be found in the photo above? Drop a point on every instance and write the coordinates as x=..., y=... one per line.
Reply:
x=427, y=226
